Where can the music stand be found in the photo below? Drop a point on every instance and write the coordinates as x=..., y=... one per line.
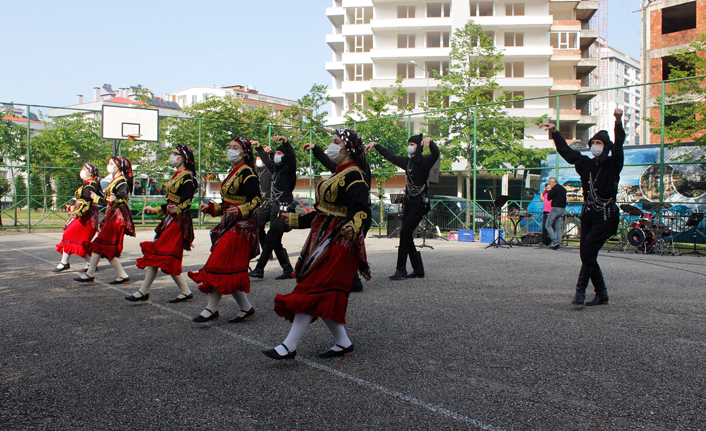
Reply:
x=498, y=203
x=425, y=222
x=694, y=220
x=397, y=199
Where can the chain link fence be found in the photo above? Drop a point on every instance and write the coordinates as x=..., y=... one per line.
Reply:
x=43, y=149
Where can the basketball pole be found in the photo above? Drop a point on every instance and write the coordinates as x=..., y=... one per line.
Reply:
x=115, y=147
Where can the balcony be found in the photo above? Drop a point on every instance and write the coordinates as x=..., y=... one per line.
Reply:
x=519, y=83
x=430, y=24
x=565, y=57
x=566, y=25
x=410, y=53
x=586, y=66
x=520, y=22
x=336, y=42
x=588, y=37
x=336, y=15
x=566, y=85
x=335, y=95
x=586, y=9
x=357, y=30
x=356, y=58
x=355, y=86
x=574, y=116
x=335, y=68
x=528, y=51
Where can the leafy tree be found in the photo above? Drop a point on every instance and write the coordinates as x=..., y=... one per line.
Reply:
x=67, y=181
x=307, y=121
x=685, y=110
x=20, y=192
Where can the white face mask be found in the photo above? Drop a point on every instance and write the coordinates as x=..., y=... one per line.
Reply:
x=174, y=161
x=112, y=169
x=234, y=156
x=411, y=149
x=259, y=163
x=334, y=153
x=597, y=150
x=84, y=175
x=278, y=158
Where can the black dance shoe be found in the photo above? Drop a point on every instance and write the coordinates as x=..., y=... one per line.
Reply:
x=248, y=314
x=133, y=298
x=63, y=267
x=85, y=280
x=399, y=274
x=186, y=298
x=256, y=274
x=415, y=274
x=598, y=300
x=201, y=319
x=347, y=351
x=357, y=285
x=286, y=276
x=272, y=353
x=120, y=280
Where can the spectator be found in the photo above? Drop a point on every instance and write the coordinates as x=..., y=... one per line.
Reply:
x=557, y=195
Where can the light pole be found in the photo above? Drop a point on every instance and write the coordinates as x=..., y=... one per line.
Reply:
x=426, y=74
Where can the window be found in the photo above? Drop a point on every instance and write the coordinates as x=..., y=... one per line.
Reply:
x=359, y=15
x=481, y=8
x=491, y=36
x=679, y=18
x=514, y=9
x=405, y=70
x=516, y=104
x=405, y=11
x=514, y=39
x=360, y=72
x=618, y=80
x=515, y=70
x=359, y=43
x=438, y=10
x=193, y=99
x=627, y=97
x=405, y=41
x=438, y=39
x=354, y=99
x=670, y=63
x=408, y=99
x=434, y=100
x=437, y=67
x=564, y=40
x=637, y=91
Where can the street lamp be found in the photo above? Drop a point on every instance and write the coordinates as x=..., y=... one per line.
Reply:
x=426, y=74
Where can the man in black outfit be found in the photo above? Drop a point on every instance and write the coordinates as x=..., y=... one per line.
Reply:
x=263, y=213
x=416, y=204
x=600, y=177
x=283, y=169
x=557, y=194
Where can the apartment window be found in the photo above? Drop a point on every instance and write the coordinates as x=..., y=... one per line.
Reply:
x=679, y=18
x=405, y=41
x=405, y=70
x=193, y=99
x=437, y=67
x=360, y=72
x=516, y=104
x=359, y=43
x=481, y=8
x=491, y=35
x=407, y=99
x=514, y=9
x=670, y=63
x=564, y=40
x=405, y=11
x=515, y=69
x=354, y=99
x=514, y=39
x=438, y=39
x=438, y=10
x=359, y=15
x=627, y=97
x=618, y=80
x=637, y=91
x=433, y=100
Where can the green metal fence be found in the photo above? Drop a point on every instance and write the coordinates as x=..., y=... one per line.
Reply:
x=44, y=147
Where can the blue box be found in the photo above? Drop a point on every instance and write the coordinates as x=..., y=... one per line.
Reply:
x=465, y=236
x=487, y=236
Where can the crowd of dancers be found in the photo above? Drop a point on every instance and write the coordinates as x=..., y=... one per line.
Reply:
x=258, y=189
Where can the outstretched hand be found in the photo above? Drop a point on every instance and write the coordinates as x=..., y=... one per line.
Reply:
x=618, y=113
x=550, y=127
x=348, y=233
x=426, y=142
x=267, y=149
x=308, y=146
x=279, y=138
x=370, y=146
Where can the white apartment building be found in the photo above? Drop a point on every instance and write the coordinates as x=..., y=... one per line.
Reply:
x=546, y=43
x=251, y=97
x=621, y=70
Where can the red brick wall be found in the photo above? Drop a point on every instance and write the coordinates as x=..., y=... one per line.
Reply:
x=659, y=40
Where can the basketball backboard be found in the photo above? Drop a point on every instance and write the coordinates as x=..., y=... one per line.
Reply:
x=120, y=122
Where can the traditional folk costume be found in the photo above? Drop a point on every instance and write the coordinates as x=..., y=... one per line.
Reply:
x=83, y=223
x=234, y=240
x=328, y=261
x=600, y=216
x=115, y=225
x=175, y=233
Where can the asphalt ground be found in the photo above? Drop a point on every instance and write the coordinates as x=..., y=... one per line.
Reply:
x=488, y=340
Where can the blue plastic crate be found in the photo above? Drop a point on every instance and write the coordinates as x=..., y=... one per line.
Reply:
x=488, y=235
x=465, y=236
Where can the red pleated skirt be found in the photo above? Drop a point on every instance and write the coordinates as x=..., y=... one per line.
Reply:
x=226, y=269
x=166, y=253
x=77, y=237
x=324, y=292
x=109, y=242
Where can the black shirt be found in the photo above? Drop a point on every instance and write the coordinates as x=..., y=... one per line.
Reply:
x=416, y=168
x=558, y=196
x=284, y=174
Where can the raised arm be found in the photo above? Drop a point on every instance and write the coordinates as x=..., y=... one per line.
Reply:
x=618, y=157
x=399, y=161
x=265, y=157
x=322, y=157
x=569, y=154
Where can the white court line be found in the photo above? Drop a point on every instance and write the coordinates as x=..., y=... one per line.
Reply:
x=349, y=377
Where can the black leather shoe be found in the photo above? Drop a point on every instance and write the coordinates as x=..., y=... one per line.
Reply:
x=201, y=319
x=347, y=351
x=415, y=274
x=272, y=353
x=286, y=276
x=598, y=300
x=255, y=274
x=399, y=274
x=186, y=298
x=120, y=281
x=248, y=314
x=85, y=280
x=63, y=267
x=579, y=298
x=357, y=285
x=133, y=298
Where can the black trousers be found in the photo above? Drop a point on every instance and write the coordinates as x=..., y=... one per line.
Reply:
x=595, y=231
x=411, y=217
x=545, y=235
x=263, y=216
x=272, y=240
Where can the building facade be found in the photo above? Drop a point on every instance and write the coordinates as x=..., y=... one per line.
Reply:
x=250, y=96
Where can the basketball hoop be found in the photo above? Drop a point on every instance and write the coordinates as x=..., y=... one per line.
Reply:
x=132, y=137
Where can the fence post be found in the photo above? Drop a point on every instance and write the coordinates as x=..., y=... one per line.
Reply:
x=661, y=156
x=558, y=122
x=29, y=176
x=474, y=168
x=311, y=168
x=200, y=177
x=409, y=126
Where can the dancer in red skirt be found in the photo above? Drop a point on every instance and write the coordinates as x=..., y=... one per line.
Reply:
x=116, y=224
x=234, y=240
x=333, y=252
x=83, y=220
x=175, y=233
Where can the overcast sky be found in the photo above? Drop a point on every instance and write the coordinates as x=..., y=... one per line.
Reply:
x=53, y=50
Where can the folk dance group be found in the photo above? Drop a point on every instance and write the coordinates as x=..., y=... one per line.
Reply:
x=259, y=189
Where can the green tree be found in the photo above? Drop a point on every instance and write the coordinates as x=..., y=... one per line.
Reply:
x=20, y=192
x=67, y=181
x=307, y=121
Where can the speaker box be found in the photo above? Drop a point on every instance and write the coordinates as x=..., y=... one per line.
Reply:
x=394, y=222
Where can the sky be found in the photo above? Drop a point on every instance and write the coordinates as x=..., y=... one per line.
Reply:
x=53, y=50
